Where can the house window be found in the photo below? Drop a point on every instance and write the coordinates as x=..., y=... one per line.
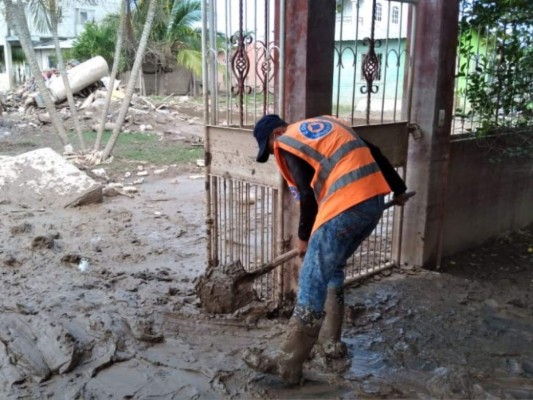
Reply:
x=85, y=16
x=339, y=8
x=380, y=58
x=344, y=11
x=378, y=12
x=395, y=15
x=52, y=62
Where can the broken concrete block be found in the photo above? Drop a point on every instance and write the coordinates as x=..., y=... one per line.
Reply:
x=44, y=118
x=88, y=101
x=43, y=178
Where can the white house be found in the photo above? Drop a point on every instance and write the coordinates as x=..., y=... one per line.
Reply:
x=75, y=13
x=354, y=20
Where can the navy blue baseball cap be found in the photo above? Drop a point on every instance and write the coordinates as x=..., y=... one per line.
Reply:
x=262, y=130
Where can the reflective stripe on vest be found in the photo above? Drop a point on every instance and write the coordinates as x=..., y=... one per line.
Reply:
x=346, y=174
x=327, y=164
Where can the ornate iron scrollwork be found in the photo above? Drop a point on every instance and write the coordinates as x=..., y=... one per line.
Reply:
x=240, y=63
x=265, y=64
x=371, y=65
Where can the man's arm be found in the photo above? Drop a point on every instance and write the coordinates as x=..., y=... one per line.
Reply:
x=303, y=173
x=394, y=180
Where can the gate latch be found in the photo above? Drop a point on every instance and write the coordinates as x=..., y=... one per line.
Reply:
x=415, y=131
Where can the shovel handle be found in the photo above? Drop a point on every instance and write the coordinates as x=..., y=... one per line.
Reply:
x=391, y=203
x=266, y=268
x=289, y=255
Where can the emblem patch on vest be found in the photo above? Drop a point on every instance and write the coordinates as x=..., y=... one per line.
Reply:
x=315, y=129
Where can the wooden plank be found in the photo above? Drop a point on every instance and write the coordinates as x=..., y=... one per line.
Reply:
x=233, y=153
x=391, y=138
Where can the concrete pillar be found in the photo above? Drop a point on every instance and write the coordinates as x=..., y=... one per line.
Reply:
x=434, y=70
x=309, y=41
x=8, y=61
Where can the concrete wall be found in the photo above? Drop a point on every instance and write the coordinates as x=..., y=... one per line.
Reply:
x=484, y=200
x=178, y=82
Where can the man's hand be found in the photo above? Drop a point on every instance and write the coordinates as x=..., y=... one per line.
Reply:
x=402, y=198
x=301, y=245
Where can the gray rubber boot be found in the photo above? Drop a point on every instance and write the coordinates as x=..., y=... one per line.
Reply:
x=329, y=340
x=287, y=362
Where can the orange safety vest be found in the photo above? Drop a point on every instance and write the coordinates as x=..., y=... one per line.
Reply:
x=346, y=174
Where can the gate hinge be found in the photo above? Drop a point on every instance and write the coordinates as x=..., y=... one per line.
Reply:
x=207, y=158
x=414, y=130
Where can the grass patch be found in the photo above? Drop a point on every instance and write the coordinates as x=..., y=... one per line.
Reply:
x=146, y=147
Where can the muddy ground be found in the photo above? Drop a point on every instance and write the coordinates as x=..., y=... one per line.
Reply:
x=130, y=326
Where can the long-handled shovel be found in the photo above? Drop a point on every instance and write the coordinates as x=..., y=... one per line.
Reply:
x=224, y=289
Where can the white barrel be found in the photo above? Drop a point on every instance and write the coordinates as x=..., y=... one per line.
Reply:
x=79, y=77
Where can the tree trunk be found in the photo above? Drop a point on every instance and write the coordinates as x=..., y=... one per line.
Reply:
x=131, y=84
x=53, y=14
x=15, y=13
x=114, y=71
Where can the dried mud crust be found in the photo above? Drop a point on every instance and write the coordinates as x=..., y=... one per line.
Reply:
x=131, y=325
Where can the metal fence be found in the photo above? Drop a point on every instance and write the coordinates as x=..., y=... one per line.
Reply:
x=243, y=59
x=373, y=61
x=244, y=213
x=243, y=76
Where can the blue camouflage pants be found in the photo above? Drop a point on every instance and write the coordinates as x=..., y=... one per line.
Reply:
x=329, y=248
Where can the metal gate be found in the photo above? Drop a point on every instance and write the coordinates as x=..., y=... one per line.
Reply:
x=243, y=51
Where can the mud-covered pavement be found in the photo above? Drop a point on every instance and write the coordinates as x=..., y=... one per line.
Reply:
x=130, y=326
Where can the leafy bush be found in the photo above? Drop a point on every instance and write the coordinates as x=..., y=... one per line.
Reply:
x=500, y=84
x=499, y=80
x=97, y=40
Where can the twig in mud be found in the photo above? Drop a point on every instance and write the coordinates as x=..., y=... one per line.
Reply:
x=199, y=371
x=163, y=102
x=148, y=102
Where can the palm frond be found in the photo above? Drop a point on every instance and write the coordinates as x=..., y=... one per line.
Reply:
x=191, y=59
x=184, y=15
x=39, y=10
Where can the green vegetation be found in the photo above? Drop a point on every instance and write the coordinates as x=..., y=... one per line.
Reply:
x=175, y=36
x=146, y=147
x=499, y=80
x=97, y=40
x=137, y=148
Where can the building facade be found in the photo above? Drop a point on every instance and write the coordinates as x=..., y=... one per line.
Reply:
x=74, y=16
x=358, y=22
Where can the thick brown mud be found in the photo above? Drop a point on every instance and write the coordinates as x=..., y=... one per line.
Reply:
x=99, y=302
x=131, y=325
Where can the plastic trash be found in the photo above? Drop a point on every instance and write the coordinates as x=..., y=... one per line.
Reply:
x=84, y=264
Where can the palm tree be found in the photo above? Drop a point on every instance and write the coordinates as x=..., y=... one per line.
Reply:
x=15, y=13
x=152, y=7
x=51, y=11
x=183, y=31
x=176, y=35
x=114, y=72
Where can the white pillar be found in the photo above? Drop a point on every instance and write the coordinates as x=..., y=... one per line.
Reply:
x=8, y=60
